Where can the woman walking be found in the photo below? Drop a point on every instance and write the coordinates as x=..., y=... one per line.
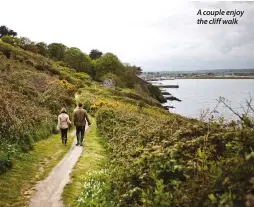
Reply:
x=63, y=124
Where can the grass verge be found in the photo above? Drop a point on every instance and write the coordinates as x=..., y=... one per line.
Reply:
x=16, y=185
x=91, y=159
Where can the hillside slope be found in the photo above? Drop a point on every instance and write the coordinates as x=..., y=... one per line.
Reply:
x=33, y=90
x=161, y=159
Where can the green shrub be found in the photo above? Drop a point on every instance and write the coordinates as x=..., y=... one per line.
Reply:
x=5, y=162
x=30, y=100
x=85, y=79
x=6, y=152
x=96, y=190
x=155, y=92
x=8, y=39
x=54, y=71
x=176, y=161
x=87, y=106
x=117, y=79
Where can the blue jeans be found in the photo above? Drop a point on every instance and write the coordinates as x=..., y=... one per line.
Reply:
x=80, y=132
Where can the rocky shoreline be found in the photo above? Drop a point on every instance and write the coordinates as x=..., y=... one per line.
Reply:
x=169, y=97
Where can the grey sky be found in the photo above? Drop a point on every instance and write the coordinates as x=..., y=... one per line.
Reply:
x=154, y=34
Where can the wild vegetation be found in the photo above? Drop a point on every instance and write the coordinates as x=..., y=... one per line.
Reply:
x=38, y=79
x=157, y=159
x=154, y=158
x=17, y=185
x=33, y=89
x=98, y=65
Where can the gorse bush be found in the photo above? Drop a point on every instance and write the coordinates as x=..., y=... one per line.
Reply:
x=175, y=161
x=100, y=104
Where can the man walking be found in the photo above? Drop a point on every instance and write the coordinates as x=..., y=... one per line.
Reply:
x=80, y=117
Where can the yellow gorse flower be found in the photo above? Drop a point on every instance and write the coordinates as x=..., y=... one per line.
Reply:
x=100, y=103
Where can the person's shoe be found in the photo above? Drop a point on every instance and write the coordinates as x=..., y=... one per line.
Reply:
x=81, y=144
x=77, y=144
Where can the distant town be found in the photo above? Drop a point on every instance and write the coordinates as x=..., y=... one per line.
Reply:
x=201, y=74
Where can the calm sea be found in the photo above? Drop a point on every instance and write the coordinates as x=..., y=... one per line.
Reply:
x=199, y=95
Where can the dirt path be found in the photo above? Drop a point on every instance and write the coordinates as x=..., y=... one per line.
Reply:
x=49, y=191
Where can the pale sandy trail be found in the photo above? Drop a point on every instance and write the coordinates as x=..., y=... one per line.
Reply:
x=49, y=191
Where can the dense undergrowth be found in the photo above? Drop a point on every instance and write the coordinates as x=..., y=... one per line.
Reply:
x=33, y=90
x=35, y=87
x=155, y=159
x=167, y=160
x=89, y=96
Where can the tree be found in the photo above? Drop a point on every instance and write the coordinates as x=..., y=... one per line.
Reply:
x=32, y=47
x=8, y=39
x=139, y=70
x=56, y=51
x=95, y=54
x=26, y=44
x=42, y=48
x=6, y=31
x=3, y=31
x=130, y=75
x=78, y=60
x=108, y=63
x=12, y=33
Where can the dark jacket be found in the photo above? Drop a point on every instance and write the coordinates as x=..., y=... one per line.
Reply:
x=80, y=117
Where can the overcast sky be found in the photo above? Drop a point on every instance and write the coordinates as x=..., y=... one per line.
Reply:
x=157, y=35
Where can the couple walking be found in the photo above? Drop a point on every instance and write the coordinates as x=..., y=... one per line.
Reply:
x=80, y=118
